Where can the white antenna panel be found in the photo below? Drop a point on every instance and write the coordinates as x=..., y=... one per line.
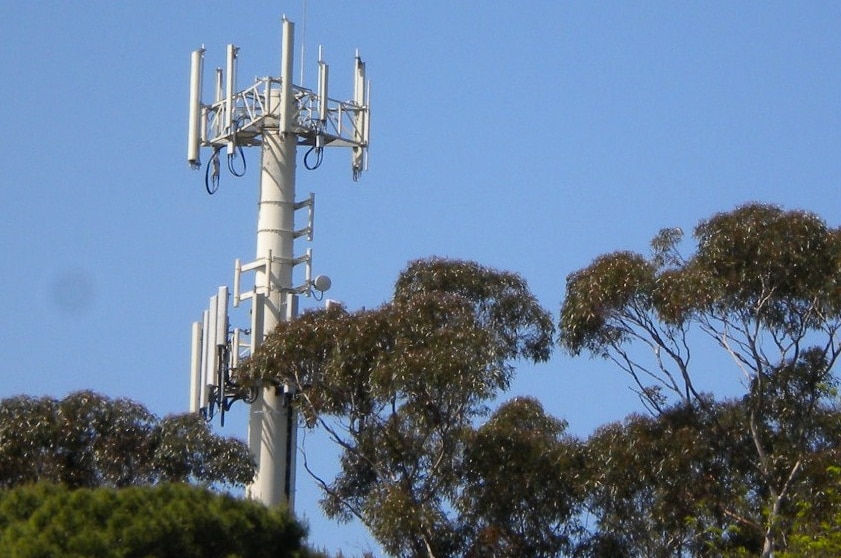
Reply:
x=211, y=362
x=207, y=336
x=222, y=317
x=359, y=81
x=323, y=72
x=220, y=89
x=204, y=395
x=195, y=118
x=235, y=343
x=360, y=134
x=195, y=367
x=229, y=93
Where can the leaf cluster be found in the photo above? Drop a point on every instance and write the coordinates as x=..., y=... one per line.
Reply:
x=167, y=520
x=763, y=285
x=523, y=484
x=686, y=482
x=815, y=532
x=760, y=251
x=399, y=387
x=758, y=262
x=88, y=440
x=669, y=485
x=450, y=323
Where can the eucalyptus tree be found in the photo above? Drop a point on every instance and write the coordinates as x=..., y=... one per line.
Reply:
x=398, y=388
x=523, y=481
x=88, y=440
x=670, y=485
x=762, y=285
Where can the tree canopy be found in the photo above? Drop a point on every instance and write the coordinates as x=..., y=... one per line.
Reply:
x=399, y=387
x=88, y=440
x=763, y=286
x=523, y=481
x=167, y=520
x=405, y=390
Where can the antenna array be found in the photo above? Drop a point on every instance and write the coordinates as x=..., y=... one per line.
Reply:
x=276, y=116
x=238, y=119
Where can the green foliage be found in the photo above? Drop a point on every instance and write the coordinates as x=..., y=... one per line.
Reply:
x=758, y=263
x=763, y=286
x=686, y=482
x=169, y=520
x=501, y=303
x=760, y=251
x=671, y=485
x=815, y=533
x=523, y=484
x=618, y=282
x=187, y=450
x=87, y=440
x=399, y=387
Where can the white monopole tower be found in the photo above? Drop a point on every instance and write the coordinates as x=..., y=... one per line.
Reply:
x=276, y=116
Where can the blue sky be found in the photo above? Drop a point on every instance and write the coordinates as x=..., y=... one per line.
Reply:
x=528, y=136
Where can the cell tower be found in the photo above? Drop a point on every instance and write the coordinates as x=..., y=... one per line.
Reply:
x=276, y=116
